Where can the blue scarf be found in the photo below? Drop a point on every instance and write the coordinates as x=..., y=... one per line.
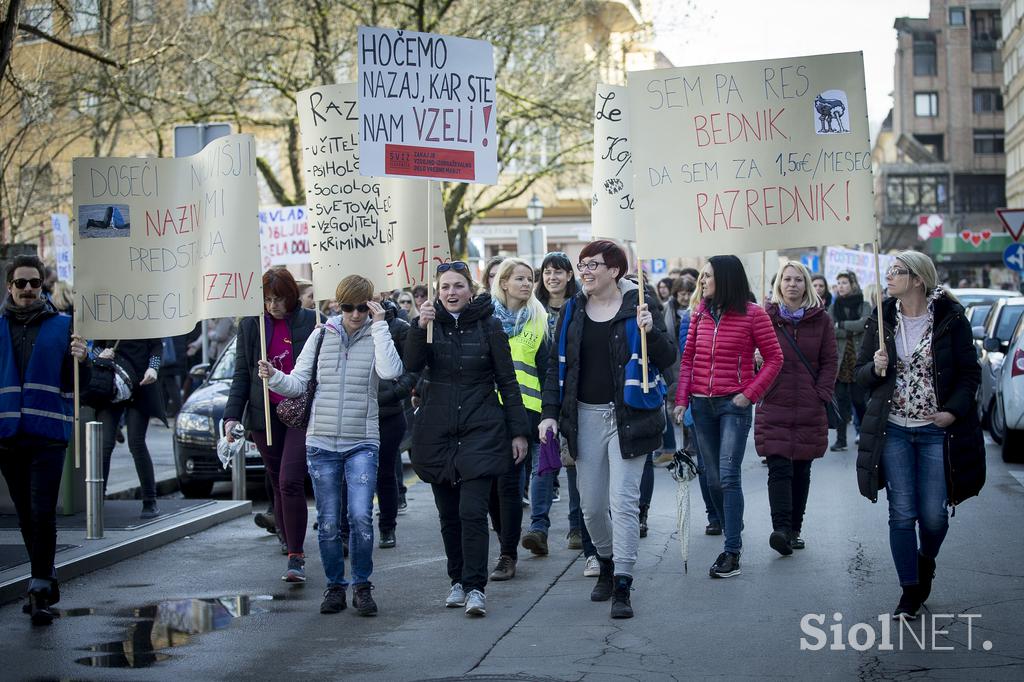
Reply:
x=793, y=317
x=511, y=322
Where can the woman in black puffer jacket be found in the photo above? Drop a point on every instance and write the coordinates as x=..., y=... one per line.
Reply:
x=920, y=436
x=463, y=437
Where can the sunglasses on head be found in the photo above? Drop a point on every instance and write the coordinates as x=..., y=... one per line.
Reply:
x=456, y=265
x=350, y=307
x=21, y=283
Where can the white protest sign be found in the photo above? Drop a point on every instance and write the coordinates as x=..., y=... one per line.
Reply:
x=860, y=263
x=62, y=247
x=426, y=105
x=613, y=197
x=284, y=236
x=161, y=244
x=374, y=227
x=750, y=156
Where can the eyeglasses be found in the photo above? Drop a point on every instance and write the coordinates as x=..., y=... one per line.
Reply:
x=21, y=283
x=348, y=307
x=403, y=301
x=456, y=265
x=896, y=272
x=592, y=265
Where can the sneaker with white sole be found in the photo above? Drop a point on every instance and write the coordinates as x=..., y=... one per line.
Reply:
x=296, y=572
x=456, y=597
x=476, y=603
x=592, y=568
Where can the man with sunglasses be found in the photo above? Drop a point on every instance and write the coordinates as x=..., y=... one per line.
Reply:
x=36, y=418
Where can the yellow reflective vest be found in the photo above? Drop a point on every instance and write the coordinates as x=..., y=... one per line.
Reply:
x=524, y=348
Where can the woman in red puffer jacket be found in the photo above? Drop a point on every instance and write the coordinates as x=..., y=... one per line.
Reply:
x=717, y=375
x=791, y=428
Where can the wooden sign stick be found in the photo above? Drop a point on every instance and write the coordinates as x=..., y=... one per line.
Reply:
x=78, y=403
x=878, y=297
x=643, y=332
x=266, y=388
x=430, y=250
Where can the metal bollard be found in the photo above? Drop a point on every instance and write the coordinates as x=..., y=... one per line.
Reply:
x=238, y=474
x=94, y=481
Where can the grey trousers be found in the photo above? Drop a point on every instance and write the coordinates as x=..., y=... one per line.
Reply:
x=608, y=483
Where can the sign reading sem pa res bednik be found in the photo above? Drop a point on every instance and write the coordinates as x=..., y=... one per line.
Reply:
x=426, y=106
x=751, y=156
x=161, y=244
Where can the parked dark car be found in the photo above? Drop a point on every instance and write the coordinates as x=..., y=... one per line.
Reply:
x=198, y=427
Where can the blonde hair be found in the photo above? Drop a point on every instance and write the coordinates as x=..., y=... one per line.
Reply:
x=354, y=289
x=810, y=299
x=534, y=308
x=62, y=296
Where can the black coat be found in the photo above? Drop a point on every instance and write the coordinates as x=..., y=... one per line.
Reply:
x=462, y=432
x=245, y=399
x=956, y=378
x=640, y=431
x=392, y=394
x=134, y=355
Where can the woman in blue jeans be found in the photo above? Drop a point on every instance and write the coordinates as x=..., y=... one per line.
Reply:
x=920, y=435
x=350, y=355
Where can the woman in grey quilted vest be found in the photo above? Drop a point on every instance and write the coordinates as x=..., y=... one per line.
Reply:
x=350, y=354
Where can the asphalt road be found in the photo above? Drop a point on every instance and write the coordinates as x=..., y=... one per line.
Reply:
x=541, y=625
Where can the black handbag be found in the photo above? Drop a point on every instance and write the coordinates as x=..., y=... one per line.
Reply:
x=835, y=415
x=294, y=412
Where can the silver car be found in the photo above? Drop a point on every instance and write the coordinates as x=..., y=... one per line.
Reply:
x=996, y=339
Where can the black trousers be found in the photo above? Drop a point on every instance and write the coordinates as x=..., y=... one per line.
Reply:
x=788, y=484
x=506, y=507
x=462, y=510
x=33, y=477
x=850, y=399
x=137, y=423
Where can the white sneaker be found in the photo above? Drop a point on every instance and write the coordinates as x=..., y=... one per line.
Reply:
x=476, y=603
x=456, y=597
x=592, y=569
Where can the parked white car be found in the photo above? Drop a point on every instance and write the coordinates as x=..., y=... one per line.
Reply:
x=996, y=337
x=1008, y=414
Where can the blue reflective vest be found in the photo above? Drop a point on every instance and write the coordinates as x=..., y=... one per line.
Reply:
x=35, y=405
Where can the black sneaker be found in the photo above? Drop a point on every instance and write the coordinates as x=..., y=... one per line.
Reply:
x=603, y=589
x=726, y=566
x=149, y=510
x=39, y=607
x=643, y=521
x=779, y=541
x=838, y=446
x=362, y=600
x=925, y=575
x=910, y=604
x=403, y=506
x=505, y=569
x=266, y=521
x=334, y=599
x=714, y=528
x=536, y=542
x=621, y=607
x=387, y=539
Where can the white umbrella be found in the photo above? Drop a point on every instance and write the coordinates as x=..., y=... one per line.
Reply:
x=684, y=469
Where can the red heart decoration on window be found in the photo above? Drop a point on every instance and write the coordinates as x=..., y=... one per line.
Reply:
x=986, y=234
x=966, y=235
x=975, y=239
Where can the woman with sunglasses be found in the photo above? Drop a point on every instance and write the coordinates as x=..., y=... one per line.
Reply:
x=920, y=437
x=350, y=354
x=464, y=437
x=288, y=326
x=593, y=396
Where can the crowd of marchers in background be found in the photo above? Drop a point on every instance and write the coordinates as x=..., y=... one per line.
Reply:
x=503, y=382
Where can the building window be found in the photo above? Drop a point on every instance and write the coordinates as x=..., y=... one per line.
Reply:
x=988, y=142
x=957, y=16
x=926, y=104
x=984, y=60
x=200, y=7
x=38, y=15
x=934, y=144
x=87, y=17
x=908, y=195
x=987, y=100
x=979, y=193
x=925, y=63
x=986, y=25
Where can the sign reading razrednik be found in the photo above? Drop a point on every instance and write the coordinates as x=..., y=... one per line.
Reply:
x=426, y=106
x=742, y=157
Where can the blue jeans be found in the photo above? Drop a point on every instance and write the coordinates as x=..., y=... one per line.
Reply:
x=356, y=469
x=915, y=483
x=542, y=490
x=722, y=430
x=576, y=513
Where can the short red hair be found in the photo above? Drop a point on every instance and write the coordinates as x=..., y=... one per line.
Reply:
x=280, y=282
x=614, y=256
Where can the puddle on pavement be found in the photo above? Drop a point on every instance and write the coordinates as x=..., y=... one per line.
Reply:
x=167, y=625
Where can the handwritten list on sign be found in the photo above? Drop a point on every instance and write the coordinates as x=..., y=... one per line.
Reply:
x=749, y=156
x=370, y=226
x=427, y=106
x=160, y=244
x=613, y=198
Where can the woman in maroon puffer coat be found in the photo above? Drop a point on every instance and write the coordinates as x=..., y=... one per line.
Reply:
x=791, y=427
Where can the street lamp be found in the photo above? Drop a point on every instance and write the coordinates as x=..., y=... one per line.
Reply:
x=535, y=210
x=533, y=240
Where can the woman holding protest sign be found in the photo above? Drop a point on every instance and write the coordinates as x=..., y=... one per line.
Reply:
x=593, y=397
x=791, y=427
x=464, y=437
x=850, y=313
x=920, y=438
x=717, y=375
x=341, y=369
x=288, y=326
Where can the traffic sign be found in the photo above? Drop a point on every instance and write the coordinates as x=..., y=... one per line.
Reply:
x=1013, y=257
x=1013, y=221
